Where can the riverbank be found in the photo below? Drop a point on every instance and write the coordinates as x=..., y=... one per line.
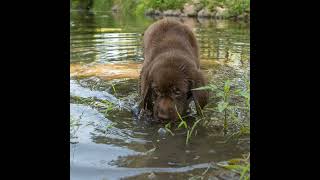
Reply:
x=215, y=9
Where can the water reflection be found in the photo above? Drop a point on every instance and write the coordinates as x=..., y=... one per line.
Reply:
x=219, y=40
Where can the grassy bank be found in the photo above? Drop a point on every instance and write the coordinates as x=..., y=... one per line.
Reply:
x=239, y=9
x=207, y=8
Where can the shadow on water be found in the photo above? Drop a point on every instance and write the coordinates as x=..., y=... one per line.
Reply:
x=107, y=141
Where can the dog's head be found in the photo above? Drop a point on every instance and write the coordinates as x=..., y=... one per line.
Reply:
x=167, y=89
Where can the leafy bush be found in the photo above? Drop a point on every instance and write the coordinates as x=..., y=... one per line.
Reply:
x=166, y=4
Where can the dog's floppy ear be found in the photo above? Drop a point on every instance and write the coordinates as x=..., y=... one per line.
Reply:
x=145, y=91
x=200, y=97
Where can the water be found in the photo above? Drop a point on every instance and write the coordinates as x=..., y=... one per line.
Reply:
x=106, y=55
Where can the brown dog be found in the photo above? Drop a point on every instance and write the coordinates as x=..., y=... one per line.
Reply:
x=170, y=70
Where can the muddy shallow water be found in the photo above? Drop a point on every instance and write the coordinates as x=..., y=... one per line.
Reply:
x=107, y=141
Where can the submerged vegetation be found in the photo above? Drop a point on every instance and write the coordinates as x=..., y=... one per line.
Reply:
x=103, y=106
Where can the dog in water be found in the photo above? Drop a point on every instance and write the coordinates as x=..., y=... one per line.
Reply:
x=170, y=71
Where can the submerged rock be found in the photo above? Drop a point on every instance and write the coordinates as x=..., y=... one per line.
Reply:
x=151, y=176
x=135, y=110
x=162, y=131
x=211, y=151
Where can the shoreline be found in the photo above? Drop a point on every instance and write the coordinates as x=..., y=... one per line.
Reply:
x=195, y=10
x=246, y=20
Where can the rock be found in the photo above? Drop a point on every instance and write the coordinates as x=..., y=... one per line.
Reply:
x=167, y=12
x=205, y=12
x=197, y=157
x=183, y=15
x=115, y=8
x=149, y=11
x=171, y=12
x=151, y=176
x=173, y=163
x=162, y=131
x=197, y=5
x=243, y=16
x=221, y=12
x=158, y=13
x=189, y=10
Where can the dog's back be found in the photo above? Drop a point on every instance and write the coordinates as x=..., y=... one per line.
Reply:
x=169, y=36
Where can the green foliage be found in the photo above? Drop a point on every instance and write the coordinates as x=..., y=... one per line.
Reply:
x=227, y=106
x=237, y=7
x=167, y=127
x=165, y=4
x=102, y=5
x=127, y=6
x=138, y=7
x=245, y=93
x=183, y=123
x=141, y=8
x=189, y=132
x=230, y=101
x=211, y=4
x=114, y=89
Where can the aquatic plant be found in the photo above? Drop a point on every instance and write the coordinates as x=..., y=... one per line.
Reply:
x=230, y=102
x=183, y=123
x=240, y=166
